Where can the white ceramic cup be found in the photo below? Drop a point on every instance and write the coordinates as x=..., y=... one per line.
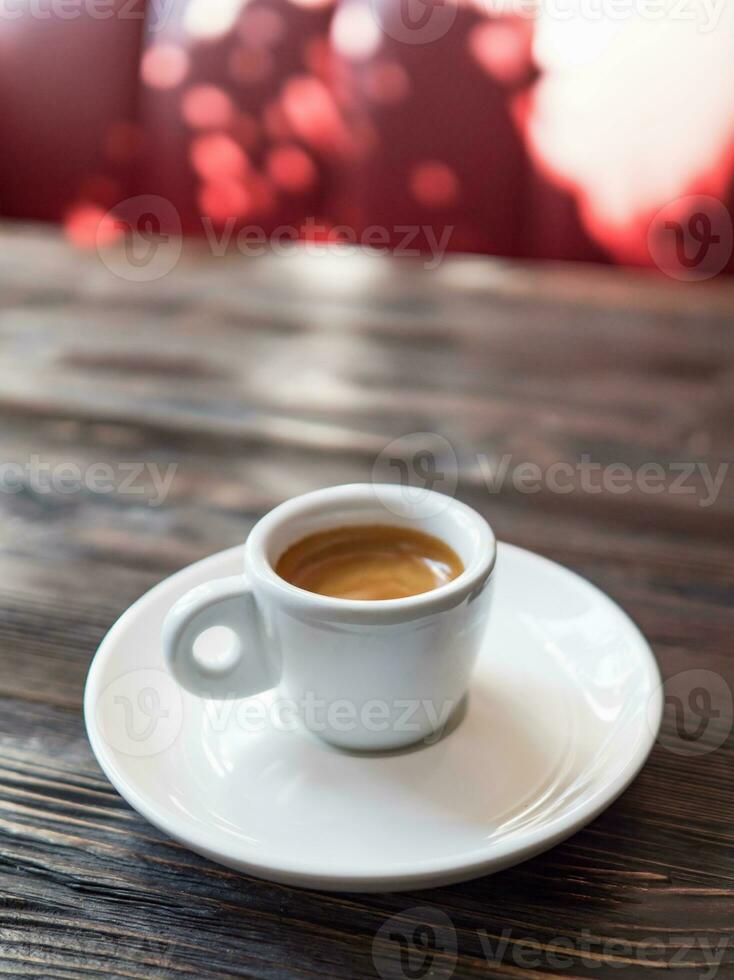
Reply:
x=362, y=674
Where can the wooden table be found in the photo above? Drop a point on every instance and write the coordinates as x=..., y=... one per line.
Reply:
x=264, y=378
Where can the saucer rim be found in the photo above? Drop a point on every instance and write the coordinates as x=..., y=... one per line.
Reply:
x=494, y=856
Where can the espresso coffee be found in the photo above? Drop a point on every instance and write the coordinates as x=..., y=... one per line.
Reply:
x=369, y=562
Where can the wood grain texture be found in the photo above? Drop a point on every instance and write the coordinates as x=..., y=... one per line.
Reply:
x=264, y=378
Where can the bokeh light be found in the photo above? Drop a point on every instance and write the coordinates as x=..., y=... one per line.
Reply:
x=501, y=49
x=312, y=4
x=310, y=110
x=164, y=66
x=291, y=168
x=434, y=184
x=223, y=199
x=218, y=156
x=88, y=225
x=355, y=33
x=211, y=19
x=625, y=118
x=206, y=107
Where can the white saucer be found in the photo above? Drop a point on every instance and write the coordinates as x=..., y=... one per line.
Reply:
x=564, y=708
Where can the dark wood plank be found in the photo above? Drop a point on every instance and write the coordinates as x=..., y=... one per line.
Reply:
x=265, y=378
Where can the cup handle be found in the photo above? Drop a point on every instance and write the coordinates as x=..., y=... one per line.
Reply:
x=246, y=668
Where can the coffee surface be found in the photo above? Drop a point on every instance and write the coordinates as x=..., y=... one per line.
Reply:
x=369, y=562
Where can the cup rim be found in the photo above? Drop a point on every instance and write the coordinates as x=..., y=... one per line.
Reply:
x=259, y=567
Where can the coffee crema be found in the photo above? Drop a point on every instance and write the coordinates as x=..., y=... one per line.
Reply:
x=369, y=561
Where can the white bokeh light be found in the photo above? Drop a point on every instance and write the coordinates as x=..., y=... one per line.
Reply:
x=355, y=33
x=629, y=114
x=210, y=19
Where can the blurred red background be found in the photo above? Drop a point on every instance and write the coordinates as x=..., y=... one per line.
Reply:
x=524, y=136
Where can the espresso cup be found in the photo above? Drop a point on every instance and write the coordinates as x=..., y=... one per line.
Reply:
x=361, y=674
